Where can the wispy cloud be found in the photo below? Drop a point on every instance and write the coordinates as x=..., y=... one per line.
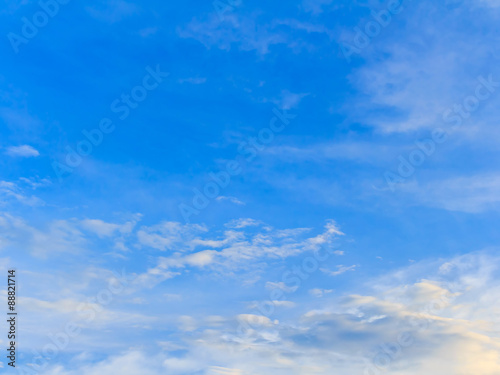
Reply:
x=473, y=194
x=339, y=271
x=24, y=151
x=11, y=191
x=230, y=199
x=415, y=99
x=250, y=32
x=113, y=10
x=234, y=251
x=320, y=292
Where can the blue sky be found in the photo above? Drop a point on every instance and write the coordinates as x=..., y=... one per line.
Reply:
x=355, y=149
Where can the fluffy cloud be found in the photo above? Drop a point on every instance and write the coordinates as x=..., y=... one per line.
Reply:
x=236, y=250
x=432, y=317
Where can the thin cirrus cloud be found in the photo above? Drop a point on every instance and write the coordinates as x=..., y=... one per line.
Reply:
x=250, y=32
x=23, y=151
x=14, y=192
x=416, y=99
x=339, y=271
x=234, y=200
x=470, y=194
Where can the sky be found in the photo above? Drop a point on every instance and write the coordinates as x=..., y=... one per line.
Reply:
x=249, y=187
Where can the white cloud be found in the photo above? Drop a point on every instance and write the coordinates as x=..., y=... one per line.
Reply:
x=237, y=250
x=216, y=370
x=243, y=32
x=490, y=3
x=104, y=229
x=446, y=312
x=448, y=306
x=201, y=258
x=257, y=320
x=340, y=270
x=289, y=100
x=319, y=292
x=425, y=73
x=131, y=363
x=367, y=152
x=169, y=235
x=250, y=32
x=281, y=286
x=99, y=227
x=285, y=304
x=24, y=151
x=112, y=11
x=58, y=236
x=187, y=323
x=35, y=183
x=242, y=223
x=230, y=199
x=471, y=194
x=172, y=297
x=11, y=190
